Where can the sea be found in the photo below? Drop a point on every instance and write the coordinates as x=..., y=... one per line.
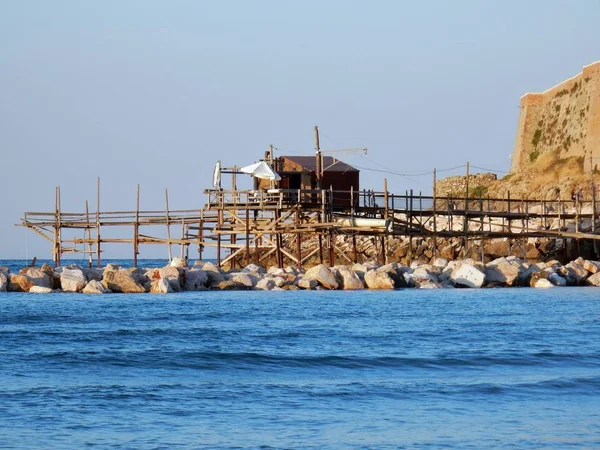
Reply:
x=424, y=369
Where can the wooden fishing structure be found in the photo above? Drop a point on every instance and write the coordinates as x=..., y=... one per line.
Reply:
x=245, y=226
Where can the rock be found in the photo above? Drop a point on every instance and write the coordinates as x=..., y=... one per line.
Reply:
x=4, y=282
x=422, y=278
x=593, y=280
x=379, y=280
x=112, y=267
x=95, y=287
x=577, y=274
x=229, y=285
x=245, y=279
x=40, y=290
x=322, y=275
x=19, y=283
x=279, y=281
x=467, y=276
x=254, y=268
x=214, y=273
x=174, y=283
x=392, y=271
x=274, y=270
x=290, y=287
x=121, y=281
x=170, y=272
x=360, y=270
x=139, y=275
x=536, y=276
x=428, y=284
x=543, y=283
x=591, y=266
x=195, y=280
x=161, y=286
x=291, y=270
x=93, y=274
x=266, y=284
x=72, y=280
x=178, y=262
x=441, y=263
x=39, y=278
x=526, y=272
x=502, y=271
x=5, y=269
x=557, y=280
x=307, y=283
x=347, y=279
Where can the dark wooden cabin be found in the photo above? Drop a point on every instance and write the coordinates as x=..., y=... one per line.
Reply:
x=300, y=172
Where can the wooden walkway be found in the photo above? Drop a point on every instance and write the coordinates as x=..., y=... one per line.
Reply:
x=248, y=226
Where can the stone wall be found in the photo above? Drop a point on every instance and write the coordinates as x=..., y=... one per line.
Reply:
x=564, y=119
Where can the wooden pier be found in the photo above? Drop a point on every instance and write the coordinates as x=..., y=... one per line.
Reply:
x=247, y=226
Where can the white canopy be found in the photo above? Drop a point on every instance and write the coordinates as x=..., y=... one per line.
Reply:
x=217, y=175
x=261, y=170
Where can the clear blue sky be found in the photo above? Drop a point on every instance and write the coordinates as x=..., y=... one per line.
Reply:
x=154, y=92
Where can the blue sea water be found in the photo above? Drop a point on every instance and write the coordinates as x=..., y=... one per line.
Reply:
x=493, y=368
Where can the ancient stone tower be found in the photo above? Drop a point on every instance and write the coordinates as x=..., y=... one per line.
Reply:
x=564, y=119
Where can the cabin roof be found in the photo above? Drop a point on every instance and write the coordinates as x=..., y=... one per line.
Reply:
x=329, y=163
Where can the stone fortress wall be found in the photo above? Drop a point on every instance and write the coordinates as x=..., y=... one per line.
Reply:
x=564, y=119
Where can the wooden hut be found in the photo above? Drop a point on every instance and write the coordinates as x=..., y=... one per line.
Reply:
x=300, y=172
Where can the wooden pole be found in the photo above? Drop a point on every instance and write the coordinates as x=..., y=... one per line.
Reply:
x=247, y=236
x=434, y=213
x=168, y=225
x=98, y=240
x=466, y=220
x=59, y=230
x=219, y=224
x=55, y=240
x=201, y=235
x=410, y=219
x=319, y=157
x=88, y=234
x=136, y=227
x=182, y=246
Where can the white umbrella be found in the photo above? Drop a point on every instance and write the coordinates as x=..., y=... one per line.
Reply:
x=261, y=170
x=217, y=176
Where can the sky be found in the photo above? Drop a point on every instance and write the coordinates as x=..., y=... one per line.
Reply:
x=155, y=92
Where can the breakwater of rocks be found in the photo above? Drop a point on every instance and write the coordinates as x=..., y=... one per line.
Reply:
x=178, y=276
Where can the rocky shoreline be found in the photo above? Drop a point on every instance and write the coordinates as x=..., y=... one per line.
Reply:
x=178, y=277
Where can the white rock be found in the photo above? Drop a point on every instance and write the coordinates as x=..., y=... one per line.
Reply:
x=378, y=280
x=347, y=279
x=265, y=284
x=441, y=263
x=178, y=262
x=4, y=281
x=543, y=283
x=254, y=268
x=322, y=275
x=502, y=271
x=39, y=278
x=307, y=283
x=40, y=290
x=245, y=279
x=468, y=276
x=279, y=281
x=95, y=287
x=72, y=280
